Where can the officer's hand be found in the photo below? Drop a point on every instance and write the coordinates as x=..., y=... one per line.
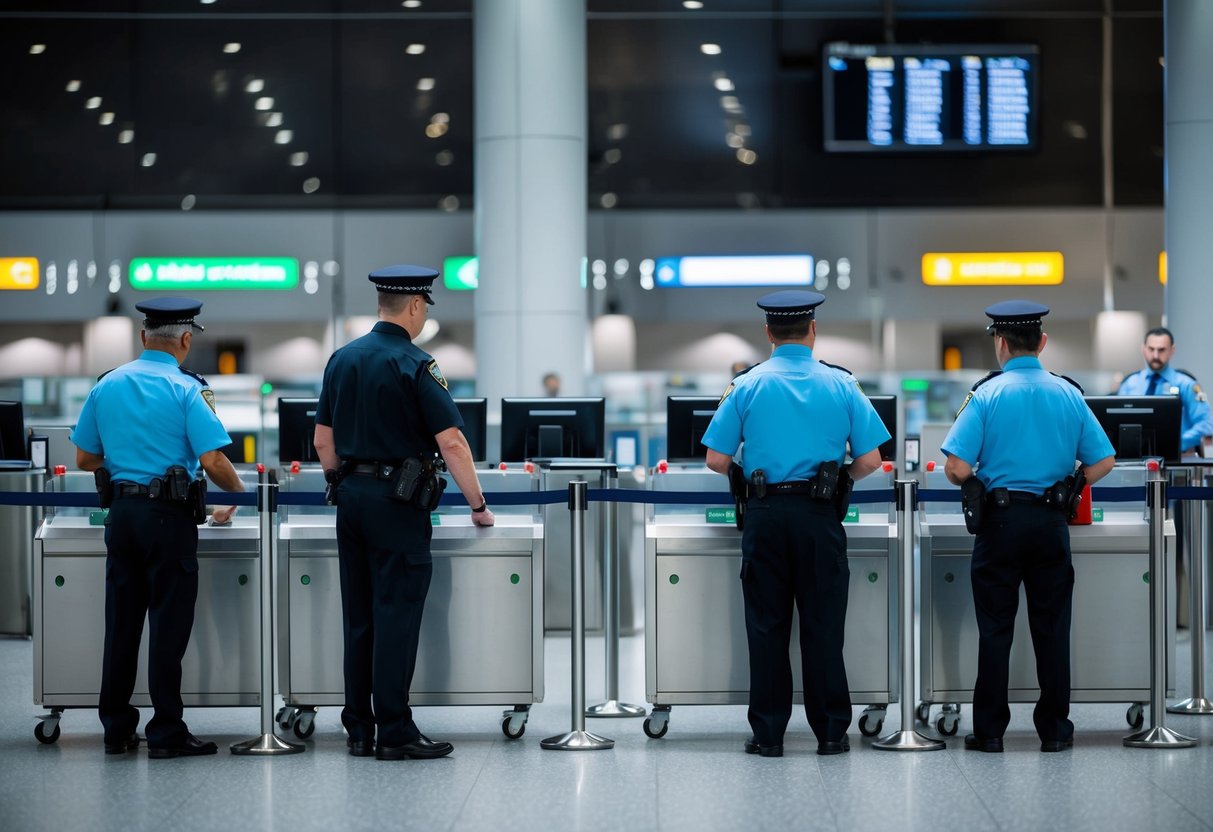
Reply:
x=222, y=515
x=484, y=518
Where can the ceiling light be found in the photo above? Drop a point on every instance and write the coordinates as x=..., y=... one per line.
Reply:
x=273, y=120
x=93, y=103
x=440, y=118
x=311, y=184
x=435, y=131
x=106, y=118
x=148, y=160
x=692, y=4
x=254, y=85
x=415, y=48
x=411, y=4
x=231, y=48
x=449, y=203
x=283, y=136
x=613, y=155
x=73, y=86
x=709, y=48
x=188, y=202
x=126, y=137
x=37, y=48
x=444, y=158
x=742, y=129
x=734, y=140
x=263, y=103
x=299, y=159
x=617, y=132
x=724, y=85
x=425, y=84
x=608, y=200
x=207, y=2
x=746, y=156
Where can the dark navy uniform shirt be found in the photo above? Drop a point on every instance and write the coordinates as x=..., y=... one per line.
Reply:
x=147, y=416
x=385, y=398
x=1023, y=429
x=794, y=413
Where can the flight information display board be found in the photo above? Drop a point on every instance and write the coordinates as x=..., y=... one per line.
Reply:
x=919, y=98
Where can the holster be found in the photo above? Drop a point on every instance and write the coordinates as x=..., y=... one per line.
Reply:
x=738, y=488
x=824, y=486
x=419, y=483
x=196, y=492
x=972, y=502
x=1064, y=495
x=332, y=479
x=842, y=493
x=105, y=487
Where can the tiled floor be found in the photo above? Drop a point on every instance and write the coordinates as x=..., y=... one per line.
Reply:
x=696, y=778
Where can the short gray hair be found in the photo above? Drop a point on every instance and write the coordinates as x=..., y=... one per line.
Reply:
x=167, y=332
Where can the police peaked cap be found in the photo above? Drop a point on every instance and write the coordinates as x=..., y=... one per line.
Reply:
x=405, y=280
x=160, y=312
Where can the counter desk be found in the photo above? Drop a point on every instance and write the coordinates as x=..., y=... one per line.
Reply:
x=695, y=640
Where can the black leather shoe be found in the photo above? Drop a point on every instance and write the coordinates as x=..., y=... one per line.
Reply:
x=990, y=745
x=1056, y=745
x=192, y=747
x=422, y=748
x=752, y=747
x=360, y=748
x=825, y=749
x=129, y=744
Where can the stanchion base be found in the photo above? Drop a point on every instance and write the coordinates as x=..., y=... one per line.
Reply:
x=908, y=741
x=266, y=745
x=577, y=741
x=1159, y=737
x=614, y=708
x=1195, y=705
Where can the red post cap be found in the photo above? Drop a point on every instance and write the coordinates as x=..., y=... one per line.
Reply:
x=886, y=467
x=1152, y=465
x=60, y=470
x=260, y=467
x=931, y=465
x=529, y=467
x=503, y=467
x=662, y=466
x=295, y=466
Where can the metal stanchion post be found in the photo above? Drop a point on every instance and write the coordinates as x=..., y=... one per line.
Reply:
x=1194, y=529
x=268, y=743
x=610, y=611
x=907, y=739
x=1158, y=735
x=578, y=739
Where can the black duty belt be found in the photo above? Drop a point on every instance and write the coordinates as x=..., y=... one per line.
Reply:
x=1026, y=497
x=131, y=489
x=790, y=487
x=379, y=470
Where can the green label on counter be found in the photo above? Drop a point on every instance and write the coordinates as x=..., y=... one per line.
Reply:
x=97, y=516
x=852, y=515
x=720, y=514
x=1097, y=515
x=435, y=519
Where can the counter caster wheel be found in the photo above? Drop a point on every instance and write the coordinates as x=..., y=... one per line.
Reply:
x=45, y=736
x=870, y=727
x=657, y=723
x=286, y=717
x=948, y=724
x=512, y=728
x=1135, y=716
x=305, y=724
x=923, y=712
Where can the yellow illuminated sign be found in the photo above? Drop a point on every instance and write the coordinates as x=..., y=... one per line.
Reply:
x=1162, y=268
x=993, y=268
x=19, y=273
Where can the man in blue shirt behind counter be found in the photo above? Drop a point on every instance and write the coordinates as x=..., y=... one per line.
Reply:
x=1159, y=378
x=796, y=417
x=1021, y=430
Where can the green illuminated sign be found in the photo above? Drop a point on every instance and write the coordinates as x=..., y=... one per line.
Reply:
x=233, y=274
x=462, y=274
x=915, y=385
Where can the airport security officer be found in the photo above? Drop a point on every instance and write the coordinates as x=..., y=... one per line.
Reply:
x=140, y=420
x=384, y=407
x=1158, y=378
x=1019, y=432
x=796, y=417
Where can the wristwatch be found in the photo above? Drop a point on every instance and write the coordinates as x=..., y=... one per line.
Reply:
x=483, y=508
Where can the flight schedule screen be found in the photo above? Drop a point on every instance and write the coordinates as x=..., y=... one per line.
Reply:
x=952, y=98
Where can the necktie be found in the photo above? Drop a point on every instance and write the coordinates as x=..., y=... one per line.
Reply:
x=1153, y=386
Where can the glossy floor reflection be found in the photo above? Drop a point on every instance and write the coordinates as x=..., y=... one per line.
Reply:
x=695, y=778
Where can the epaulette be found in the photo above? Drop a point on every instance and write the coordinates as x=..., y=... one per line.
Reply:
x=194, y=376
x=1072, y=381
x=984, y=379
x=106, y=373
x=836, y=367
x=1185, y=373
x=741, y=373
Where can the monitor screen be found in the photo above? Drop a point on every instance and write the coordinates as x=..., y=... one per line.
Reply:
x=475, y=415
x=886, y=409
x=687, y=419
x=297, y=430
x=12, y=431
x=913, y=98
x=1140, y=426
x=243, y=447
x=554, y=427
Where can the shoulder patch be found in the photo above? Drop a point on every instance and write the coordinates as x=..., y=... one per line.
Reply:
x=727, y=391
x=1072, y=381
x=981, y=381
x=436, y=373
x=208, y=396
x=194, y=376
x=965, y=403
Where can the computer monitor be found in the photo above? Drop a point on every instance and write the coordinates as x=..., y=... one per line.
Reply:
x=296, y=430
x=475, y=415
x=554, y=427
x=686, y=421
x=886, y=409
x=243, y=447
x=12, y=431
x=1140, y=426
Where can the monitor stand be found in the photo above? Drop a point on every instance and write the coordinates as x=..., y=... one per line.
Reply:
x=1129, y=442
x=551, y=441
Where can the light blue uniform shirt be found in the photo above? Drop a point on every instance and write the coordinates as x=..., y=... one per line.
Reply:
x=1024, y=429
x=794, y=413
x=146, y=416
x=1196, y=422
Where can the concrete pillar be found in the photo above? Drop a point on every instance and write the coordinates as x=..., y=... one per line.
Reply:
x=530, y=193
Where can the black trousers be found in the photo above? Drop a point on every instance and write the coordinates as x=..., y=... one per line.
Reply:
x=1030, y=544
x=794, y=551
x=383, y=548
x=151, y=569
